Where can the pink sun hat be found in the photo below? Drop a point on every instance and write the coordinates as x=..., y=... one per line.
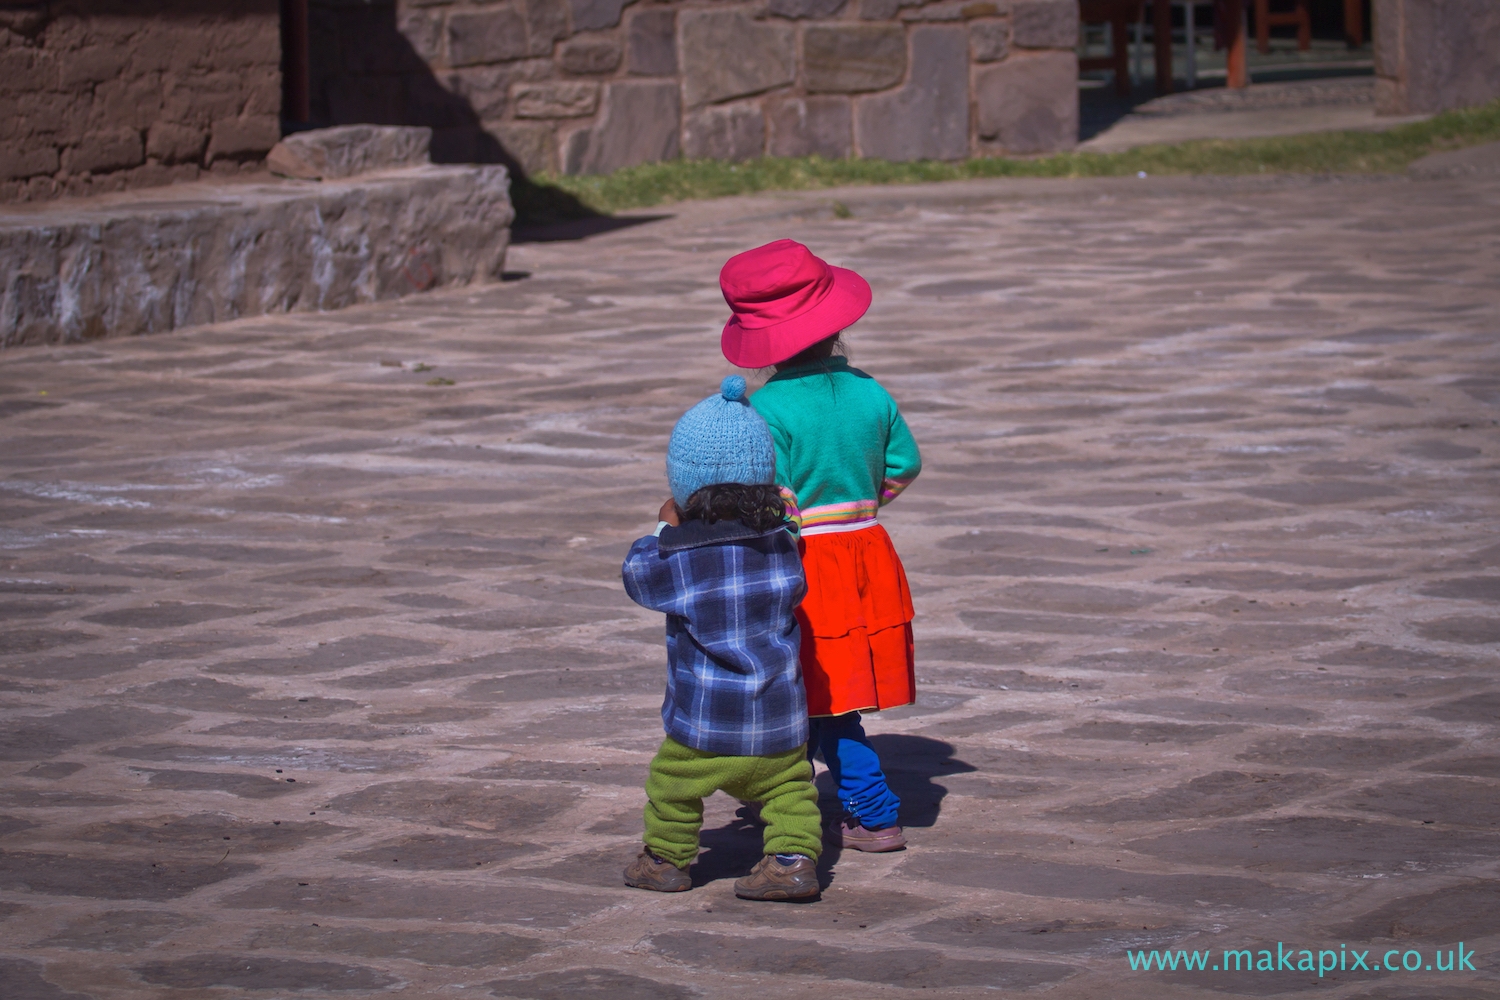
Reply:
x=784, y=300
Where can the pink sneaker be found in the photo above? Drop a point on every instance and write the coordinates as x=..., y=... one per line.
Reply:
x=855, y=837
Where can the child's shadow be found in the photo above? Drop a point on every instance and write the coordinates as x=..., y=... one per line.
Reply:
x=911, y=765
x=728, y=851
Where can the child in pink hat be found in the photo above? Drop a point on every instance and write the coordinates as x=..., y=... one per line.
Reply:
x=843, y=449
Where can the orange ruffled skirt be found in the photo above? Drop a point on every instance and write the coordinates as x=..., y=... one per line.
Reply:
x=856, y=624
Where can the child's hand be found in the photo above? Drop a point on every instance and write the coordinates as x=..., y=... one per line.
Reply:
x=669, y=513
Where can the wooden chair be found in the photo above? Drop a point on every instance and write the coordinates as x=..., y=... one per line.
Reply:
x=1119, y=15
x=1265, y=20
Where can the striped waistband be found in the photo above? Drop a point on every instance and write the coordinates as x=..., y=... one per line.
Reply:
x=828, y=529
x=849, y=516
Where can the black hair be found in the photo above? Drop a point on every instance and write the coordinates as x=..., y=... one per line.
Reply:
x=759, y=507
x=821, y=351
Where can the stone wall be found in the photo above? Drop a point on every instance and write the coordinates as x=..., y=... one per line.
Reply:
x=588, y=86
x=100, y=95
x=1432, y=55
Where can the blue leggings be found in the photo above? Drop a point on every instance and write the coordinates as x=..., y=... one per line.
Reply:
x=856, y=767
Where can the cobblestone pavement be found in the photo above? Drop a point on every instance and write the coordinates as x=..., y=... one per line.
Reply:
x=318, y=677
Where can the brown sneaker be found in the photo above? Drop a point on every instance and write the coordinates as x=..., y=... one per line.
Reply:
x=856, y=838
x=770, y=879
x=648, y=871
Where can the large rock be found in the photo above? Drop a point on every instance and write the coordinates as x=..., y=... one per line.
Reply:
x=652, y=43
x=851, y=58
x=928, y=118
x=810, y=126
x=202, y=253
x=726, y=54
x=1029, y=103
x=726, y=132
x=347, y=150
x=639, y=123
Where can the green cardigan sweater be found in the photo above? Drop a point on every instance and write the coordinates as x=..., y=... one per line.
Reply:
x=841, y=445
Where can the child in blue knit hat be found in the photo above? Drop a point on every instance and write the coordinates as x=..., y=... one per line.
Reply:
x=724, y=568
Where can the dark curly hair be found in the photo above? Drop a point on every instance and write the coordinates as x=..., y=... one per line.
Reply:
x=759, y=508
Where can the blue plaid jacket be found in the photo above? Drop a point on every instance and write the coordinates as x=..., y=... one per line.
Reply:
x=734, y=683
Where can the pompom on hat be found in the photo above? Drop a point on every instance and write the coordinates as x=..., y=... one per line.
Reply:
x=720, y=440
x=784, y=300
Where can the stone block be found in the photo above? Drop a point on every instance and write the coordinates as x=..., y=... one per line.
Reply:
x=590, y=54
x=92, y=64
x=555, y=99
x=486, y=35
x=171, y=143
x=206, y=253
x=134, y=102
x=639, y=122
x=486, y=89
x=423, y=31
x=592, y=15
x=928, y=118
x=533, y=145
x=852, y=58
x=810, y=126
x=989, y=41
x=546, y=23
x=731, y=132
x=17, y=161
x=805, y=8
x=946, y=10
x=1450, y=54
x=1044, y=24
x=250, y=137
x=1029, y=103
x=884, y=10
x=349, y=150
x=727, y=54
x=1390, y=96
x=105, y=149
x=652, y=43
x=200, y=99
x=1385, y=32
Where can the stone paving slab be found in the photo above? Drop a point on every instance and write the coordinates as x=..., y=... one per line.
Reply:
x=318, y=679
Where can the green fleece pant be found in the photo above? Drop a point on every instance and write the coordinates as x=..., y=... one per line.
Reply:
x=681, y=778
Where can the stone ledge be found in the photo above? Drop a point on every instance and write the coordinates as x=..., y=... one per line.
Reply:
x=165, y=258
x=1476, y=161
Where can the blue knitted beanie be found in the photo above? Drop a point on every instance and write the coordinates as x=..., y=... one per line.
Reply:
x=721, y=440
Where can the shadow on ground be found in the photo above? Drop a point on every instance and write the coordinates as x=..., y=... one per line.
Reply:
x=912, y=763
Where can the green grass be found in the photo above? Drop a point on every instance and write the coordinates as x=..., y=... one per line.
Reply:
x=548, y=197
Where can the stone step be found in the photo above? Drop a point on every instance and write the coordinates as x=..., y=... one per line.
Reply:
x=162, y=258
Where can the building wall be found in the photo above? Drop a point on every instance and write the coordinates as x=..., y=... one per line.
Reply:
x=588, y=86
x=1432, y=55
x=100, y=95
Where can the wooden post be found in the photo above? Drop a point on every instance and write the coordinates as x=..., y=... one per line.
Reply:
x=1161, y=21
x=296, y=87
x=1354, y=22
x=1239, y=71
